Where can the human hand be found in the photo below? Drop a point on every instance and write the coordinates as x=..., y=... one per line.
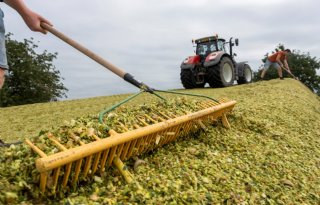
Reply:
x=33, y=21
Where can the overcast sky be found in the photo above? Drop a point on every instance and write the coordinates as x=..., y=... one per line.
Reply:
x=150, y=38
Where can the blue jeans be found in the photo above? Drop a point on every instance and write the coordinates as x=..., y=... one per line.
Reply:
x=3, y=55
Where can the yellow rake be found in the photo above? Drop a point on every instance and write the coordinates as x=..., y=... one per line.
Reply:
x=66, y=167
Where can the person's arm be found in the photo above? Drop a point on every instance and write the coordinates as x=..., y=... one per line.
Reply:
x=286, y=65
x=31, y=18
x=278, y=59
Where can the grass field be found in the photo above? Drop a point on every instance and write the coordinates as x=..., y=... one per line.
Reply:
x=271, y=154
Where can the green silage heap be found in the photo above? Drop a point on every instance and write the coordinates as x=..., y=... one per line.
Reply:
x=271, y=155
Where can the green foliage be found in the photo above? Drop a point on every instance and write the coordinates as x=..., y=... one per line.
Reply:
x=302, y=66
x=305, y=68
x=32, y=77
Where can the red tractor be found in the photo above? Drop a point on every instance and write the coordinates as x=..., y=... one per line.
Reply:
x=214, y=64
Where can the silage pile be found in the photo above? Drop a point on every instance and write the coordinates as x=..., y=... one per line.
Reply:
x=271, y=155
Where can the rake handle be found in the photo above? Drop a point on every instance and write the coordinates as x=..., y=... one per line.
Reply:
x=289, y=73
x=116, y=70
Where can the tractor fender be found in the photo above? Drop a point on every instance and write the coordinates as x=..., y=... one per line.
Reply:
x=240, y=67
x=214, y=58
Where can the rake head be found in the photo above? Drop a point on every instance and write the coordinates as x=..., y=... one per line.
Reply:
x=74, y=155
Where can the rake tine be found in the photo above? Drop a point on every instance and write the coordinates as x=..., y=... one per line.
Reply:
x=203, y=126
x=56, y=142
x=133, y=144
x=148, y=143
x=150, y=118
x=78, y=163
x=143, y=122
x=160, y=137
x=170, y=135
x=35, y=148
x=77, y=172
x=142, y=145
x=123, y=126
x=75, y=138
x=97, y=157
x=55, y=178
x=164, y=115
x=136, y=148
x=111, y=156
x=185, y=128
x=166, y=136
x=175, y=135
x=225, y=121
x=43, y=181
x=43, y=175
x=145, y=144
x=161, y=119
x=125, y=150
x=66, y=175
x=103, y=160
x=152, y=141
x=87, y=166
x=95, y=163
x=68, y=166
x=119, y=150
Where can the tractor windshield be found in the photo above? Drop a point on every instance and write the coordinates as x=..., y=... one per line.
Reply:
x=206, y=48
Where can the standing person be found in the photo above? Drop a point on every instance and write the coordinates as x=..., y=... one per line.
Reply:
x=279, y=61
x=32, y=20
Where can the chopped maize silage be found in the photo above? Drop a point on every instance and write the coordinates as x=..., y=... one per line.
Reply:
x=270, y=155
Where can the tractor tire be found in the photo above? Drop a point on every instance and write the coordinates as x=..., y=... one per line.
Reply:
x=221, y=75
x=247, y=75
x=187, y=79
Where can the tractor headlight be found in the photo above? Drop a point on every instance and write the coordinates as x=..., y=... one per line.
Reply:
x=186, y=60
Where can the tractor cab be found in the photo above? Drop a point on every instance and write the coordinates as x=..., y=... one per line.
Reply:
x=207, y=46
x=212, y=44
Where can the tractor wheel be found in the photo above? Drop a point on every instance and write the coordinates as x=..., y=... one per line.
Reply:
x=221, y=75
x=187, y=79
x=247, y=75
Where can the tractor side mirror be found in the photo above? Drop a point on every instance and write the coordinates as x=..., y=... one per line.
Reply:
x=236, y=41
